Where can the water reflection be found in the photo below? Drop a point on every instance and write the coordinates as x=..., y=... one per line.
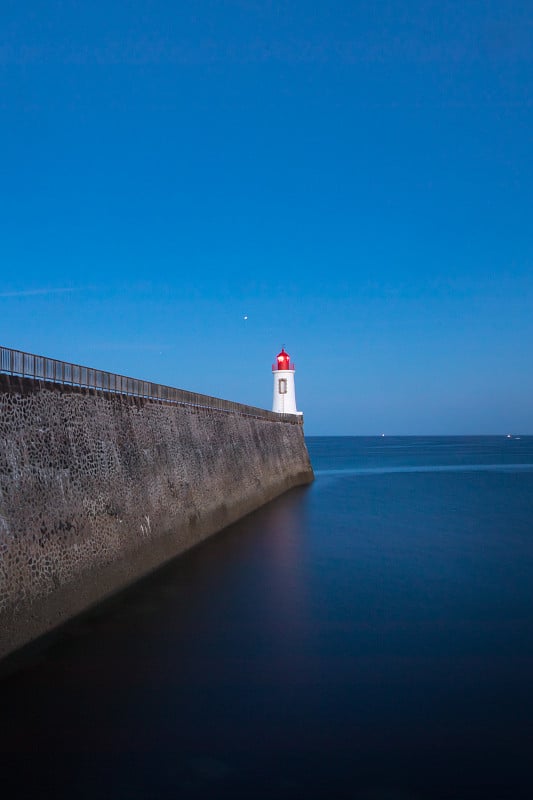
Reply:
x=369, y=636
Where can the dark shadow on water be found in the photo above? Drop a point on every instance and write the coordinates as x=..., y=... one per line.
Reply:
x=133, y=697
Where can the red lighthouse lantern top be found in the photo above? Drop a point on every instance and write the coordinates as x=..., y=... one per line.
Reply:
x=283, y=361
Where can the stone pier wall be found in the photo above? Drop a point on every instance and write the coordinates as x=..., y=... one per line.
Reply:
x=98, y=489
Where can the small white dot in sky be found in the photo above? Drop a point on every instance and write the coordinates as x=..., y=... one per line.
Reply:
x=245, y=317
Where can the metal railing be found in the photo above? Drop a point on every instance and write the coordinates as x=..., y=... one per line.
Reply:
x=50, y=370
x=290, y=368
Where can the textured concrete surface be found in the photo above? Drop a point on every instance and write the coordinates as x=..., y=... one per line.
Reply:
x=97, y=490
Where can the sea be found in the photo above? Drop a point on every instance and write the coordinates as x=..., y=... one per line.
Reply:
x=369, y=636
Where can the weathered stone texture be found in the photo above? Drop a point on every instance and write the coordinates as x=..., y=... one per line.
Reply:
x=97, y=490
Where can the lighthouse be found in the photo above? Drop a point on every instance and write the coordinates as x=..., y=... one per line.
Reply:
x=284, y=401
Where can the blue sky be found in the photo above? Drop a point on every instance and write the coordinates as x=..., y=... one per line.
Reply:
x=354, y=177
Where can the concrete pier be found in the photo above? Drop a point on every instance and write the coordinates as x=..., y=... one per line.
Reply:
x=97, y=489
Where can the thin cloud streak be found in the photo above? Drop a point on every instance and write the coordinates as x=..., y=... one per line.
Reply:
x=33, y=292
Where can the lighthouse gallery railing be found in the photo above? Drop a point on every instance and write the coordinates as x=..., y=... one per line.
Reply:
x=50, y=370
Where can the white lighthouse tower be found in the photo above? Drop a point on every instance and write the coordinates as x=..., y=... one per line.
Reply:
x=284, y=401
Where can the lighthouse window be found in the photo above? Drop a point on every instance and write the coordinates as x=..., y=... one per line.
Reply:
x=282, y=386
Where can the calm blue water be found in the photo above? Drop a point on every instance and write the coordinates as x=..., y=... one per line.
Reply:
x=370, y=636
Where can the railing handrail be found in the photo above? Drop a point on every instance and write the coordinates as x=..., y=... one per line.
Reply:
x=51, y=370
